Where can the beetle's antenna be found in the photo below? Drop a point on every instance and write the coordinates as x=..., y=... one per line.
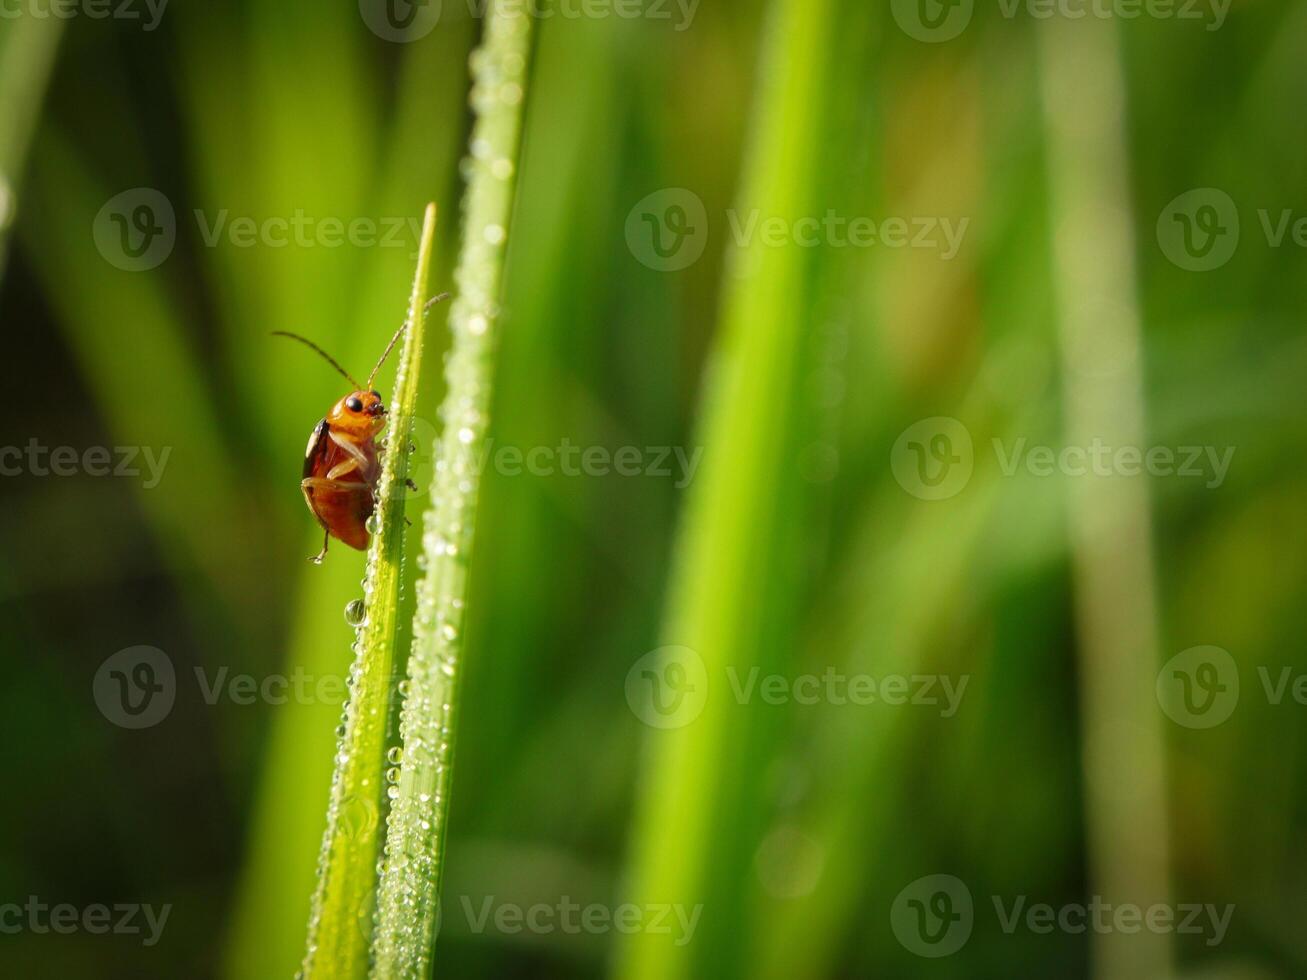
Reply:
x=325, y=356
x=391, y=346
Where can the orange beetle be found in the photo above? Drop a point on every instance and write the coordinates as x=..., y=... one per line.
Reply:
x=340, y=463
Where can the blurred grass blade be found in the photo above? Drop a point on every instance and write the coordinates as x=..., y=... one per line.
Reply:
x=342, y=901
x=193, y=518
x=1110, y=525
x=27, y=52
x=698, y=813
x=408, y=898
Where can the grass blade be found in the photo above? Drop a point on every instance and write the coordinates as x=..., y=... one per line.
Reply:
x=27, y=52
x=410, y=885
x=735, y=545
x=342, y=901
x=1110, y=518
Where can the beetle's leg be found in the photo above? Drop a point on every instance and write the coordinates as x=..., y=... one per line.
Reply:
x=326, y=483
x=317, y=559
x=323, y=483
x=342, y=468
x=350, y=448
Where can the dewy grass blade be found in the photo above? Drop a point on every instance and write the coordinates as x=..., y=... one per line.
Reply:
x=341, y=913
x=408, y=900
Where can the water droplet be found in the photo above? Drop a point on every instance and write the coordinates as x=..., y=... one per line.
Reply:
x=355, y=612
x=358, y=816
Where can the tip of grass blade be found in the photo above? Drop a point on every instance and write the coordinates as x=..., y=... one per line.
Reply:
x=347, y=864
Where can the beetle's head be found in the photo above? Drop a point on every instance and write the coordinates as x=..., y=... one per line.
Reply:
x=360, y=413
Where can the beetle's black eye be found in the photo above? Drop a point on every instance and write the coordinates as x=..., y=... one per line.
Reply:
x=354, y=404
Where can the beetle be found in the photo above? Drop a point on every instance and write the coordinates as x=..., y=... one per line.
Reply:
x=341, y=461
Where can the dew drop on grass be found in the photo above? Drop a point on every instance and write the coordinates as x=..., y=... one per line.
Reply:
x=355, y=612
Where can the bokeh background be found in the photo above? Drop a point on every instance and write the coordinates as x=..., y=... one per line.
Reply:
x=1129, y=270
